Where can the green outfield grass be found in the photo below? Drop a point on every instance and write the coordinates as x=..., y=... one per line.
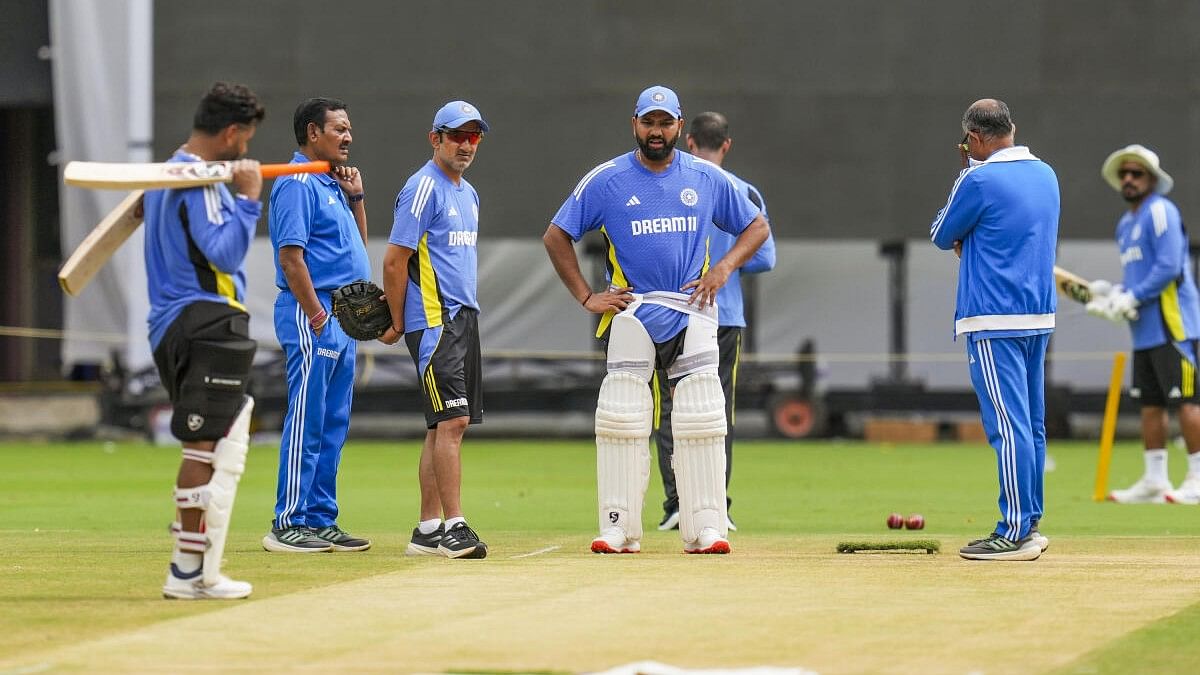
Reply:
x=85, y=547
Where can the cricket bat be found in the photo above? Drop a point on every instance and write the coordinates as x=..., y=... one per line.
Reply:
x=129, y=176
x=101, y=243
x=1072, y=285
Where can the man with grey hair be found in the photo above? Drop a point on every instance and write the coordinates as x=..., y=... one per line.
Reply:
x=1158, y=298
x=1002, y=221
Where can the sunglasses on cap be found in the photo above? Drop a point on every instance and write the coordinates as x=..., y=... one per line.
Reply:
x=1136, y=173
x=462, y=136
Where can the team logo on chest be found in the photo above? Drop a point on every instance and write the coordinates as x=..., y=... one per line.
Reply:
x=689, y=197
x=1137, y=232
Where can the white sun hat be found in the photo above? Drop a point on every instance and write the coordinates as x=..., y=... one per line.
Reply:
x=1142, y=155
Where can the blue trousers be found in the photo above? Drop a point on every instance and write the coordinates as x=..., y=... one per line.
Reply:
x=1009, y=377
x=320, y=379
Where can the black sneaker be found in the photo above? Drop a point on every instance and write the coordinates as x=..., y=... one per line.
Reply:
x=670, y=521
x=461, y=541
x=425, y=544
x=996, y=547
x=295, y=539
x=341, y=540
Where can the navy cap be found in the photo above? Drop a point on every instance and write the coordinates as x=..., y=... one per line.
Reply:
x=457, y=113
x=661, y=98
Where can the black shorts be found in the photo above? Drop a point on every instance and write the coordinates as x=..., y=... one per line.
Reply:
x=449, y=364
x=1163, y=377
x=204, y=362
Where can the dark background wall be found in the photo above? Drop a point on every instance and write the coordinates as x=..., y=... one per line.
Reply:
x=844, y=113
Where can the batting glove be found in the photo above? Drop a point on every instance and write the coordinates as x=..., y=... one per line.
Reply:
x=1100, y=287
x=1123, y=304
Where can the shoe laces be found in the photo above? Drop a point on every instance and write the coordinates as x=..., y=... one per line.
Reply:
x=462, y=532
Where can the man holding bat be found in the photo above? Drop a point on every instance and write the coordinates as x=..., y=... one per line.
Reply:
x=1159, y=299
x=196, y=243
x=1002, y=219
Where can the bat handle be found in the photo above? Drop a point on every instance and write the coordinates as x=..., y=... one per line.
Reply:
x=277, y=170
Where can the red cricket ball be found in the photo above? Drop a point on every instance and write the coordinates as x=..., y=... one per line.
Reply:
x=895, y=521
x=915, y=522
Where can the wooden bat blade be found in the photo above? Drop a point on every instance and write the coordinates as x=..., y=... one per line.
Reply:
x=130, y=176
x=100, y=244
x=1072, y=285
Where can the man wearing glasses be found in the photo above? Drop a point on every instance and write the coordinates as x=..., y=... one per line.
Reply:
x=1002, y=220
x=429, y=278
x=1158, y=297
x=656, y=208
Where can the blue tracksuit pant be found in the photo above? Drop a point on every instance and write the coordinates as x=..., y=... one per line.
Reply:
x=1009, y=377
x=320, y=379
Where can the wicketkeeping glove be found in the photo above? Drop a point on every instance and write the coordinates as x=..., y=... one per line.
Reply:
x=361, y=310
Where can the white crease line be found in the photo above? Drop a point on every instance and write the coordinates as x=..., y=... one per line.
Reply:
x=28, y=670
x=537, y=552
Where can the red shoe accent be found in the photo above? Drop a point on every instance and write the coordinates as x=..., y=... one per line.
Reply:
x=601, y=546
x=719, y=547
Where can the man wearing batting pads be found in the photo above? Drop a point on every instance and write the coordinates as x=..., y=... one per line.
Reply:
x=196, y=244
x=1158, y=298
x=1002, y=220
x=655, y=207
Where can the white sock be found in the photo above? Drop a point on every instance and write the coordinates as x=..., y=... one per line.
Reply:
x=1156, y=465
x=186, y=561
x=429, y=526
x=451, y=522
x=1194, y=463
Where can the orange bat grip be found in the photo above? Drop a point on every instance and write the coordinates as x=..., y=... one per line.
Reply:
x=277, y=170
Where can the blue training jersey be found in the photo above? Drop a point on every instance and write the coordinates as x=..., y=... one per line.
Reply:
x=1154, y=258
x=310, y=210
x=657, y=226
x=196, y=244
x=1005, y=212
x=730, y=304
x=439, y=222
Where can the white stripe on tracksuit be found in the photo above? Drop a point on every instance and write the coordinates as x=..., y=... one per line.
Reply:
x=295, y=452
x=1008, y=447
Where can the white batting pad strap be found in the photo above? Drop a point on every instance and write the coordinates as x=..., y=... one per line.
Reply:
x=192, y=497
x=192, y=542
x=197, y=455
x=229, y=462
x=698, y=424
x=624, y=417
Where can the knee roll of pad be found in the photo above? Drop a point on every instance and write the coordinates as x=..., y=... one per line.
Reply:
x=699, y=426
x=212, y=389
x=624, y=417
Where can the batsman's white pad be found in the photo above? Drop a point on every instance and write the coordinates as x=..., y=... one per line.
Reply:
x=216, y=497
x=624, y=416
x=698, y=424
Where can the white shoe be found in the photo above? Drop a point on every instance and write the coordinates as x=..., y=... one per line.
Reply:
x=1042, y=541
x=191, y=587
x=709, y=541
x=1188, y=492
x=729, y=524
x=613, y=540
x=1145, y=491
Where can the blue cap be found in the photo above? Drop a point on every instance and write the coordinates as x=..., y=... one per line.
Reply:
x=455, y=114
x=658, y=97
